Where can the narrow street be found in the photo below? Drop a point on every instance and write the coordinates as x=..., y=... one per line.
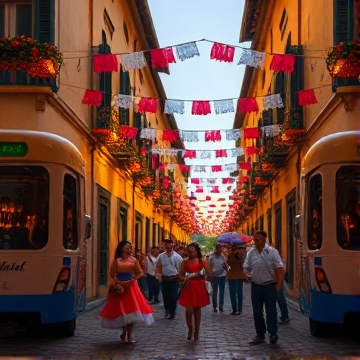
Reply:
x=221, y=337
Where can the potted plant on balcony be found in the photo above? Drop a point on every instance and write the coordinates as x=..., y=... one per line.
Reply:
x=343, y=60
x=38, y=60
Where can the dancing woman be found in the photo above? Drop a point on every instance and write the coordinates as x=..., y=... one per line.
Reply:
x=122, y=311
x=194, y=295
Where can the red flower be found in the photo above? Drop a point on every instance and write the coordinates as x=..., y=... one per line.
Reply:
x=35, y=52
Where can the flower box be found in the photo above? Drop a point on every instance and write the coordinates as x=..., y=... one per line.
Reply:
x=343, y=60
x=38, y=60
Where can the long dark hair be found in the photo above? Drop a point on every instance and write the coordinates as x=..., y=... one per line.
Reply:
x=198, y=250
x=118, y=251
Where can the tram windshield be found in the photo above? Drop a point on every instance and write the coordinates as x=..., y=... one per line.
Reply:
x=24, y=207
x=348, y=207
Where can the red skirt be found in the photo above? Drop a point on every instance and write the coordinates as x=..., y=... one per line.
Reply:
x=194, y=294
x=129, y=307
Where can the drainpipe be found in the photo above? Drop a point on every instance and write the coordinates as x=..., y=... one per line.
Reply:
x=134, y=214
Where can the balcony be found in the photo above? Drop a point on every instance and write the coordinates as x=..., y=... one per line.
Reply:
x=22, y=78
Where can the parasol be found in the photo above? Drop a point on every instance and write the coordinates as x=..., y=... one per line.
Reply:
x=234, y=238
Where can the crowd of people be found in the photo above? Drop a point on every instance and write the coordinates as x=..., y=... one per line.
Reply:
x=182, y=276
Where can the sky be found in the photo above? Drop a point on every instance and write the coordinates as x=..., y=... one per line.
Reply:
x=200, y=78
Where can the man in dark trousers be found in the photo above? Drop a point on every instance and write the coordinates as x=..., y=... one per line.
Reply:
x=264, y=267
x=168, y=266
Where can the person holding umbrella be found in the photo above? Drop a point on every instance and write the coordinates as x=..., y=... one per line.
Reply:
x=236, y=277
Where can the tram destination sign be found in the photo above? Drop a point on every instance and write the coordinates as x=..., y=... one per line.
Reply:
x=13, y=149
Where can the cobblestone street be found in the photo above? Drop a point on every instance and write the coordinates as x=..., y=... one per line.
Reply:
x=221, y=337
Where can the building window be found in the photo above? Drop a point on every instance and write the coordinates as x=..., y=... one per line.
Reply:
x=31, y=18
x=283, y=23
x=269, y=228
x=125, y=90
x=126, y=32
x=278, y=229
x=103, y=235
x=290, y=219
x=16, y=18
x=315, y=212
x=147, y=235
x=122, y=221
x=108, y=24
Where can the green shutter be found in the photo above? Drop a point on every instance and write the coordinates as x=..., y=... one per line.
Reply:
x=343, y=20
x=44, y=21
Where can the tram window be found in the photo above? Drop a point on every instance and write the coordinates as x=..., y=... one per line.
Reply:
x=24, y=207
x=70, y=218
x=315, y=213
x=348, y=207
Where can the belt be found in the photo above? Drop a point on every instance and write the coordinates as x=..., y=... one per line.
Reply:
x=265, y=283
x=165, y=277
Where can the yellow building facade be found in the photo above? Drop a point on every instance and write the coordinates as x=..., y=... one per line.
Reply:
x=306, y=29
x=118, y=207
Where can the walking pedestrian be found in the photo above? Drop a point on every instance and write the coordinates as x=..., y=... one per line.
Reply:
x=235, y=277
x=194, y=295
x=263, y=265
x=218, y=277
x=152, y=282
x=168, y=265
x=283, y=305
x=122, y=311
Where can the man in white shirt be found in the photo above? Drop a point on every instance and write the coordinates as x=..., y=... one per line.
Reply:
x=218, y=277
x=168, y=265
x=152, y=281
x=264, y=267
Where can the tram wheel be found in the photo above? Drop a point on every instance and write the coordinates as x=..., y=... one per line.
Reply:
x=66, y=328
x=318, y=328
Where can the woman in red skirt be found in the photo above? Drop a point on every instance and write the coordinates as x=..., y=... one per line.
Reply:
x=194, y=294
x=122, y=311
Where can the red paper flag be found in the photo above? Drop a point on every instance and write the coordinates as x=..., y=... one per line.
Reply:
x=227, y=180
x=195, y=181
x=199, y=189
x=191, y=154
x=244, y=178
x=215, y=189
x=220, y=153
x=289, y=61
x=247, y=105
x=147, y=105
x=170, y=135
x=208, y=198
x=251, y=133
x=128, y=131
x=169, y=55
x=213, y=135
x=251, y=150
x=216, y=168
x=245, y=166
x=306, y=97
x=92, y=97
x=222, y=52
x=105, y=63
x=277, y=63
x=158, y=58
x=201, y=108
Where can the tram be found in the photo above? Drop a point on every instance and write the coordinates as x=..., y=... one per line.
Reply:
x=43, y=229
x=330, y=232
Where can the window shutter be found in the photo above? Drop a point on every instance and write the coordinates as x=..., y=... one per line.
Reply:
x=44, y=21
x=343, y=22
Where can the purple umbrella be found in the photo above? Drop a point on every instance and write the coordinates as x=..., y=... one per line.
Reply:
x=234, y=238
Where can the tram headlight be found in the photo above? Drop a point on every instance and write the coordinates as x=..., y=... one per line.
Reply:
x=322, y=281
x=63, y=280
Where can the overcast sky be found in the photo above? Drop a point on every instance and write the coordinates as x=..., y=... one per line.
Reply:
x=200, y=78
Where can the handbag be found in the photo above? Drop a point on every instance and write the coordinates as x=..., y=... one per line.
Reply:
x=116, y=288
x=180, y=288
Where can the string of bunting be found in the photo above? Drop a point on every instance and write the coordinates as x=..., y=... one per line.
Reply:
x=131, y=132
x=199, y=107
x=162, y=57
